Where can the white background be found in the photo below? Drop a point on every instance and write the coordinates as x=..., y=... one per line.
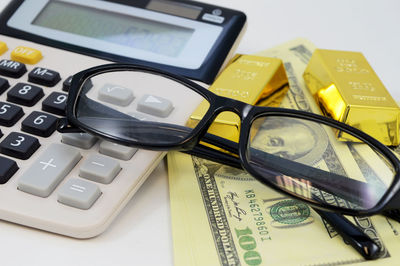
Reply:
x=141, y=234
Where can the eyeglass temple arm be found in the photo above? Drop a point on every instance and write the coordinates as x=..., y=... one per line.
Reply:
x=329, y=182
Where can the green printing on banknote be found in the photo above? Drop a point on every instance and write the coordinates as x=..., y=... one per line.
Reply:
x=231, y=219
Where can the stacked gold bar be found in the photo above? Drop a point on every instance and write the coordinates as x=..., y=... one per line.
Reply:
x=348, y=90
x=251, y=79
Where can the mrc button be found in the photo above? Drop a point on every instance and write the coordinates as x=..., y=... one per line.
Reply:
x=12, y=68
x=44, y=76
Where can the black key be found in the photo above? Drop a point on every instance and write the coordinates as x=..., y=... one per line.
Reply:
x=8, y=168
x=9, y=114
x=4, y=85
x=67, y=84
x=25, y=94
x=19, y=145
x=1, y=133
x=44, y=76
x=55, y=103
x=12, y=68
x=40, y=124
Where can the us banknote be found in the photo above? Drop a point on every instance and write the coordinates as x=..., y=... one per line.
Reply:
x=222, y=216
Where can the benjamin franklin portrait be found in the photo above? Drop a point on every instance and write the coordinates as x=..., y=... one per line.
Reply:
x=289, y=138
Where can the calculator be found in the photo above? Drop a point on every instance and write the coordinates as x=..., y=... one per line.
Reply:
x=75, y=184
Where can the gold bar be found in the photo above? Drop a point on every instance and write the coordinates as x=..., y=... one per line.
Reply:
x=251, y=79
x=348, y=90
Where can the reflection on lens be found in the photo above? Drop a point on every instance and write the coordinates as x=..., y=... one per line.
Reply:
x=305, y=158
x=137, y=106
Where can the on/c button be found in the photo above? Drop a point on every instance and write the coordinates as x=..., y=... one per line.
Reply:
x=26, y=55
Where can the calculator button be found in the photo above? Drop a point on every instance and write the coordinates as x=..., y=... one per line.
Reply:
x=155, y=105
x=49, y=169
x=4, y=85
x=8, y=168
x=116, y=151
x=44, y=76
x=19, y=145
x=12, y=68
x=67, y=84
x=9, y=114
x=140, y=116
x=55, y=103
x=26, y=55
x=3, y=47
x=80, y=140
x=25, y=94
x=40, y=124
x=116, y=95
x=78, y=193
x=99, y=168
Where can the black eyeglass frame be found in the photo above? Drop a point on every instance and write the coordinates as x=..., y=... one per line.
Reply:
x=247, y=113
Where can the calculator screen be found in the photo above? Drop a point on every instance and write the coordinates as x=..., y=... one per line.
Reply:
x=140, y=33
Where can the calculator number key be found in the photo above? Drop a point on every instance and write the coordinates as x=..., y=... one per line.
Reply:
x=8, y=168
x=40, y=124
x=19, y=145
x=9, y=114
x=4, y=85
x=25, y=94
x=55, y=103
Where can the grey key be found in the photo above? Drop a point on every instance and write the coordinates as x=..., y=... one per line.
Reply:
x=49, y=169
x=116, y=95
x=99, y=168
x=78, y=193
x=117, y=151
x=80, y=140
x=140, y=116
x=155, y=105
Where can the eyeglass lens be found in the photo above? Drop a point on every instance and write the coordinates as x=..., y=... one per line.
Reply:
x=351, y=174
x=133, y=106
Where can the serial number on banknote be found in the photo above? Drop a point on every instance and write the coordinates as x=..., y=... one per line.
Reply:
x=257, y=215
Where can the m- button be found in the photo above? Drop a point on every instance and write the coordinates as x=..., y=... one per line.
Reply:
x=26, y=55
x=44, y=76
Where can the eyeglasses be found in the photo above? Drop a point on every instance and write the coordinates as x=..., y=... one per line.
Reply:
x=325, y=163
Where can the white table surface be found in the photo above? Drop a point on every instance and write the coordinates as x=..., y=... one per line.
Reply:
x=141, y=234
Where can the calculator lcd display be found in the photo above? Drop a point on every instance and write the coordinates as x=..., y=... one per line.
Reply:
x=140, y=33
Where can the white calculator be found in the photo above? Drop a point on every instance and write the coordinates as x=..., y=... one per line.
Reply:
x=75, y=184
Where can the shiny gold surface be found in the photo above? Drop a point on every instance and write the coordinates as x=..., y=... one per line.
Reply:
x=347, y=89
x=251, y=79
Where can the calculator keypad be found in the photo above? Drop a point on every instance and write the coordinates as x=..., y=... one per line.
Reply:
x=13, y=69
x=40, y=124
x=49, y=170
x=25, y=94
x=99, y=168
x=4, y=85
x=55, y=103
x=74, y=176
x=155, y=105
x=80, y=140
x=78, y=193
x=8, y=168
x=44, y=76
x=10, y=114
x=19, y=145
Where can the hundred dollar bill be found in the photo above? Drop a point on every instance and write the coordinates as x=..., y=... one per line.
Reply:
x=223, y=216
x=330, y=155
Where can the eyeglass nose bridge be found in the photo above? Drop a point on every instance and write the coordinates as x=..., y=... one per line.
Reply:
x=223, y=104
